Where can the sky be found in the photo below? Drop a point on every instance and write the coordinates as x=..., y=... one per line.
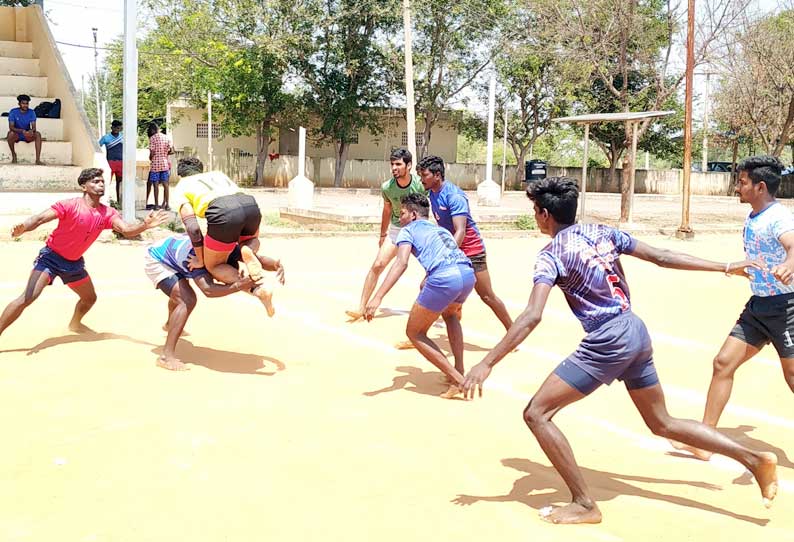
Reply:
x=71, y=21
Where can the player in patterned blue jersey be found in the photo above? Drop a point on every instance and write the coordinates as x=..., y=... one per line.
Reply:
x=169, y=265
x=583, y=260
x=768, y=316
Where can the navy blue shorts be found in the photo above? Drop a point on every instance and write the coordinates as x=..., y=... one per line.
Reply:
x=159, y=176
x=451, y=284
x=619, y=349
x=71, y=272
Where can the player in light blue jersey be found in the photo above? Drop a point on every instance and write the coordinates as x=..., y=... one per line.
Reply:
x=768, y=317
x=583, y=260
x=449, y=281
x=169, y=265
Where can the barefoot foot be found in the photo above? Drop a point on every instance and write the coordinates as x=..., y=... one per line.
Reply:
x=252, y=263
x=266, y=297
x=404, y=345
x=354, y=316
x=78, y=327
x=452, y=392
x=703, y=455
x=171, y=363
x=570, y=513
x=766, y=476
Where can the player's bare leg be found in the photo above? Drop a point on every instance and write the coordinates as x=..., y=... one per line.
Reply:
x=37, y=281
x=386, y=253
x=651, y=405
x=733, y=354
x=183, y=301
x=85, y=290
x=419, y=321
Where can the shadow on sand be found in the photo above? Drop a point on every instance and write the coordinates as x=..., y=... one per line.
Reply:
x=604, y=486
x=416, y=380
x=225, y=361
x=86, y=336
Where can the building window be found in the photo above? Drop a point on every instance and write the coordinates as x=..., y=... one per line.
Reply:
x=201, y=131
x=420, y=138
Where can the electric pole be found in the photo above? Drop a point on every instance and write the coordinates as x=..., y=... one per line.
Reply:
x=410, y=118
x=96, y=86
x=685, y=230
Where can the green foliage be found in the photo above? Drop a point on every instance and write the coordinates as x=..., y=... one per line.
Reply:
x=525, y=222
x=17, y=3
x=175, y=226
x=344, y=66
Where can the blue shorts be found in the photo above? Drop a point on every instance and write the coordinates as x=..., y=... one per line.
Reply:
x=71, y=272
x=451, y=284
x=159, y=176
x=22, y=137
x=619, y=349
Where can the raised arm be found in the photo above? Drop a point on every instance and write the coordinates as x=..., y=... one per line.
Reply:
x=678, y=260
x=34, y=222
x=395, y=272
x=152, y=220
x=210, y=288
x=520, y=330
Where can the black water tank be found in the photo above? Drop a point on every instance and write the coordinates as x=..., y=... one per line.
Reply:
x=534, y=170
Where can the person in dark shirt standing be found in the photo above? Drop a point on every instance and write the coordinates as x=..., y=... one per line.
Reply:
x=113, y=143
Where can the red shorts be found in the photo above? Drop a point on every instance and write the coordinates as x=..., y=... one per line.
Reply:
x=116, y=168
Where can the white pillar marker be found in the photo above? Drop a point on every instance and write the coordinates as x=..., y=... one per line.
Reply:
x=301, y=189
x=489, y=194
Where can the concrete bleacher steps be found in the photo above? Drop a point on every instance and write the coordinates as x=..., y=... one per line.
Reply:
x=52, y=152
x=27, y=178
x=20, y=66
x=12, y=85
x=51, y=129
x=16, y=49
x=9, y=102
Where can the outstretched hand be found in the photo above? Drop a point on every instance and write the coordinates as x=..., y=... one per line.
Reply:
x=156, y=218
x=372, y=306
x=279, y=272
x=474, y=379
x=740, y=268
x=18, y=230
x=782, y=273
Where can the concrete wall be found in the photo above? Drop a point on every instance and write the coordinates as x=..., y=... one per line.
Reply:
x=7, y=22
x=668, y=181
x=369, y=147
x=183, y=121
x=85, y=151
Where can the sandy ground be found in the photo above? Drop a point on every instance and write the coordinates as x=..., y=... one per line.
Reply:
x=305, y=428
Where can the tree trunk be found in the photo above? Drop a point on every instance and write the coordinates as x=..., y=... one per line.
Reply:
x=520, y=171
x=341, y=157
x=262, y=144
x=782, y=140
x=625, y=179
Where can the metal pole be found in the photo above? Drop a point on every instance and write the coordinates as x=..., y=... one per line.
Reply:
x=302, y=152
x=583, y=187
x=130, y=108
x=103, y=128
x=96, y=85
x=633, y=172
x=82, y=90
x=410, y=117
x=705, y=157
x=685, y=230
x=489, y=150
x=504, y=152
x=209, y=129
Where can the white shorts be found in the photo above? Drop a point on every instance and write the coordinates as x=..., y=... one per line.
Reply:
x=393, y=231
x=155, y=270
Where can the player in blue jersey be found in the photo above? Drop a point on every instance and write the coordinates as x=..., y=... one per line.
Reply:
x=168, y=264
x=449, y=281
x=768, y=317
x=583, y=260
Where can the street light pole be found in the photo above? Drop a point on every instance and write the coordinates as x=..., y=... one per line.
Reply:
x=410, y=116
x=96, y=86
x=685, y=230
x=130, y=117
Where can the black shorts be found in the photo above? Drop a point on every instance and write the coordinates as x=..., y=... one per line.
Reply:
x=478, y=262
x=231, y=219
x=71, y=272
x=767, y=320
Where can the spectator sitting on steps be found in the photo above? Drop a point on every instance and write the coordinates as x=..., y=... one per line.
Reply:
x=22, y=128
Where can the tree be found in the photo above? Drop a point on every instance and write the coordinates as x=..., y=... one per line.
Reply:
x=756, y=94
x=347, y=74
x=615, y=40
x=454, y=43
x=206, y=46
